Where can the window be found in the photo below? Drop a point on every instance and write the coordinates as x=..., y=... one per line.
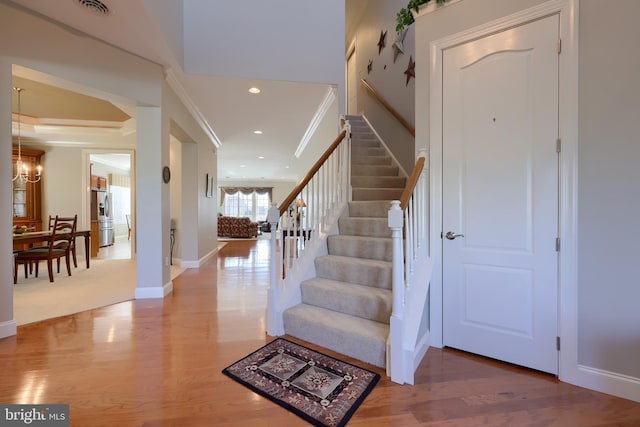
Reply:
x=252, y=202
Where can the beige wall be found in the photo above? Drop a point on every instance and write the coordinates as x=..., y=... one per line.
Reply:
x=387, y=77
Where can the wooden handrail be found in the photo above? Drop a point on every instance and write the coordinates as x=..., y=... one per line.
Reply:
x=389, y=108
x=294, y=193
x=411, y=183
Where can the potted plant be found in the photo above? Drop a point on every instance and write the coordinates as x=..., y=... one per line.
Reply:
x=404, y=18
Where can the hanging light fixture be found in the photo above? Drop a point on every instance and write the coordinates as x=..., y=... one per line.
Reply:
x=22, y=170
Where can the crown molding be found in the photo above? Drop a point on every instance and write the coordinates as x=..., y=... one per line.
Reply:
x=328, y=99
x=180, y=91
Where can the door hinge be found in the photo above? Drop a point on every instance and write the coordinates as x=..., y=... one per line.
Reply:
x=557, y=244
x=559, y=46
x=558, y=343
x=558, y=145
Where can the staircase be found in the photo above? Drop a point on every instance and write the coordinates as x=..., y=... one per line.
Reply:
x=347, y=306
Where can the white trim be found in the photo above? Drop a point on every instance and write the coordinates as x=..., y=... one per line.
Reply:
x=328, y=99
x=182, y=94
x=152, y=292
x=198, y=263
x=610, y=382
x=8, y=328
x=568, y=112
x=350, y=52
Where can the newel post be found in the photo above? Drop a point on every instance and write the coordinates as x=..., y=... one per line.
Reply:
x=396, y=222
x=275, y=324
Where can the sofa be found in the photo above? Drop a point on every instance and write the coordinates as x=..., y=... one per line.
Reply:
x=233, y=226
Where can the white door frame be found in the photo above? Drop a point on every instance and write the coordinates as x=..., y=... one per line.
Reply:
x=568, y=129
x=351, y=84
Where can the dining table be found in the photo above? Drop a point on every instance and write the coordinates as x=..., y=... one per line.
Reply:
x=30, y=238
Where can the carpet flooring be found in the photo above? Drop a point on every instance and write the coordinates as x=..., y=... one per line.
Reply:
x=106, y=282
x=320, y=389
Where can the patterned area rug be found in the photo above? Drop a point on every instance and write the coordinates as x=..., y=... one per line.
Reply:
x=314, y=386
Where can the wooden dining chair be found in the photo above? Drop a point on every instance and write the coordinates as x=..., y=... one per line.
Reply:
x=73, y=242
x=59, y=245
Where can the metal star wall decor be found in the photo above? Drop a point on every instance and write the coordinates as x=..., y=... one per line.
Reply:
x=398, y=45
x=369, y=67
x=382, y=42
x=411, y=70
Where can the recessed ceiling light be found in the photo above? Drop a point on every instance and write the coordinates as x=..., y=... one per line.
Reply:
x=243, y=166
x=254, y=90
x=286, y=167
x=257, y=132
x=261, y=157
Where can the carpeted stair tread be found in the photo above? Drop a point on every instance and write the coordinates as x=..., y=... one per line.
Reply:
x=376, y=193
x=370, y=160
x=365, y=142
x=367, y=272
x=367, y=247
x=364, y=226
x=348, y=298
x=350, y=335
x=368, y=151
x=375, y=170
x=378, y=181
x=370, y=208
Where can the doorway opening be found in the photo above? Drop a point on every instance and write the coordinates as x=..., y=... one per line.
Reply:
x=111, y=204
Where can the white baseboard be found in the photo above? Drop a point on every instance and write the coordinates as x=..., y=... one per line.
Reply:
x=8, y=328
x=152, y=292
x=198, y=263
x=607, y=382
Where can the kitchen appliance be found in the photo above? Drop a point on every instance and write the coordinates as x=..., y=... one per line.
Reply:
x=102, y=210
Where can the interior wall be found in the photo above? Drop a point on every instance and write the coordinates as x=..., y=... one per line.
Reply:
x=608, y=202
x=386, y=76
x=175, y=189
x=207, y=207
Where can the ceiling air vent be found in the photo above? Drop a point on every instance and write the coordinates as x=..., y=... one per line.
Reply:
x=94, y=6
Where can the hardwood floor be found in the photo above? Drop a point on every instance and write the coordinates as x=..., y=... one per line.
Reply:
x=158, y=363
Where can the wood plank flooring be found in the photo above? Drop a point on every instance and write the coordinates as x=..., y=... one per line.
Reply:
x=158, y=363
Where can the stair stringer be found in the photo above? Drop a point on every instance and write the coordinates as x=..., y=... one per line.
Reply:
x=395, y=161
x=290, y=294
x=413, y=329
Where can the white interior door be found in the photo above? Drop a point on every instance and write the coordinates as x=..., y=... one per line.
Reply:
x=500, y=194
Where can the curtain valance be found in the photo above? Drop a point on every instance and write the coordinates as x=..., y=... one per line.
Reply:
x=244, y=190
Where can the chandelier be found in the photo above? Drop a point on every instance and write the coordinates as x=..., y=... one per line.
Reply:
x=22, y=169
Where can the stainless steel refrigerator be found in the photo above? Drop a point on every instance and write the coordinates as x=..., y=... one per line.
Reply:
x=102, y=210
